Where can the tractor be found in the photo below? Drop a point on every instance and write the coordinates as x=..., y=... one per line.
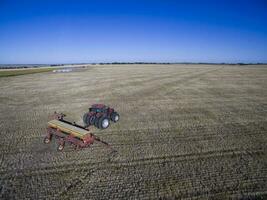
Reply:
x=100, y=115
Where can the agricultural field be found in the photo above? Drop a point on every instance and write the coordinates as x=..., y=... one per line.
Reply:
x=186, y=131
x=17, y=72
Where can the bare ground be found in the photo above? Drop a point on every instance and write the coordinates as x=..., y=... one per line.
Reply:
x=186, y=131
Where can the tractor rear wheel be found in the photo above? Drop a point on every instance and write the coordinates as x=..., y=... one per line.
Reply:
x=92, y=120
x=86, y=119
x=96, y=122
x=115, y=117
x=103, y=123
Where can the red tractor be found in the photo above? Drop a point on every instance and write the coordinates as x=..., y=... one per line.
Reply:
x=100, y=116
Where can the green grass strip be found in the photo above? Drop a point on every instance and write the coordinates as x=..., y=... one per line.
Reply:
x=14, y=72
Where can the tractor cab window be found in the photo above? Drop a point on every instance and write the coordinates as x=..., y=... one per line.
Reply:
x=92, y=109
x=97, y=110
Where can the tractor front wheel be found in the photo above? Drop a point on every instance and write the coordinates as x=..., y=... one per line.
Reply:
x=115, y=117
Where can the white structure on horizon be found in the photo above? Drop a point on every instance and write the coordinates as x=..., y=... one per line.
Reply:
x=62, y=70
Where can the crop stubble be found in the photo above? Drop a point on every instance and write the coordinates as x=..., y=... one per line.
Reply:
x=186, y=131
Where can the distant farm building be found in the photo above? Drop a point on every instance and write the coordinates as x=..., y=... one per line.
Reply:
x=62, y=70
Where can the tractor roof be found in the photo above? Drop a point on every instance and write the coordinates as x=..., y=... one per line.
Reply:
x=98, y=106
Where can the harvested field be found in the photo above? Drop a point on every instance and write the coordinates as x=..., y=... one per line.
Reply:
x=186, y=131
x=17, y=72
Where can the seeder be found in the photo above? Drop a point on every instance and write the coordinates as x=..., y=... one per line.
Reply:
x=66, y=132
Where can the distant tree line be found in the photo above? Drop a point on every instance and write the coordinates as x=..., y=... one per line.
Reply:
x=169, y=63
x=10, y=66
x=19, y=66
x=131, y=63
x=55, y=65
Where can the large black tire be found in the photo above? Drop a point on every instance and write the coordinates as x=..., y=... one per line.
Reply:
x=92, y=120
x=96, y=122
x=115, y=117
x=103, y=123
x=86, y=119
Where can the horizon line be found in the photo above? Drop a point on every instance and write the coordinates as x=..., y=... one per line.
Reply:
x=137, y=62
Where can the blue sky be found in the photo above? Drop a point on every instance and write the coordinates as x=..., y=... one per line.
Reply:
x=119, y=30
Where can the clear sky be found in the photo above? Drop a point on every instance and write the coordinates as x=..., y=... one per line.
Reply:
x=45, y=31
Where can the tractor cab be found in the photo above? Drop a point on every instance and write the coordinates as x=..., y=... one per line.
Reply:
x=98, y=108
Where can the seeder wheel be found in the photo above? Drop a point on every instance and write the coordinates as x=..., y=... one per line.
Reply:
x=60, y=147
x=61, y=144
x=77, y=147
x=47, y=140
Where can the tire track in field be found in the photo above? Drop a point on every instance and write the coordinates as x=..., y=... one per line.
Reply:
x=159, y=137
x=71, y=170
x=76, y=184
x=68, y=167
